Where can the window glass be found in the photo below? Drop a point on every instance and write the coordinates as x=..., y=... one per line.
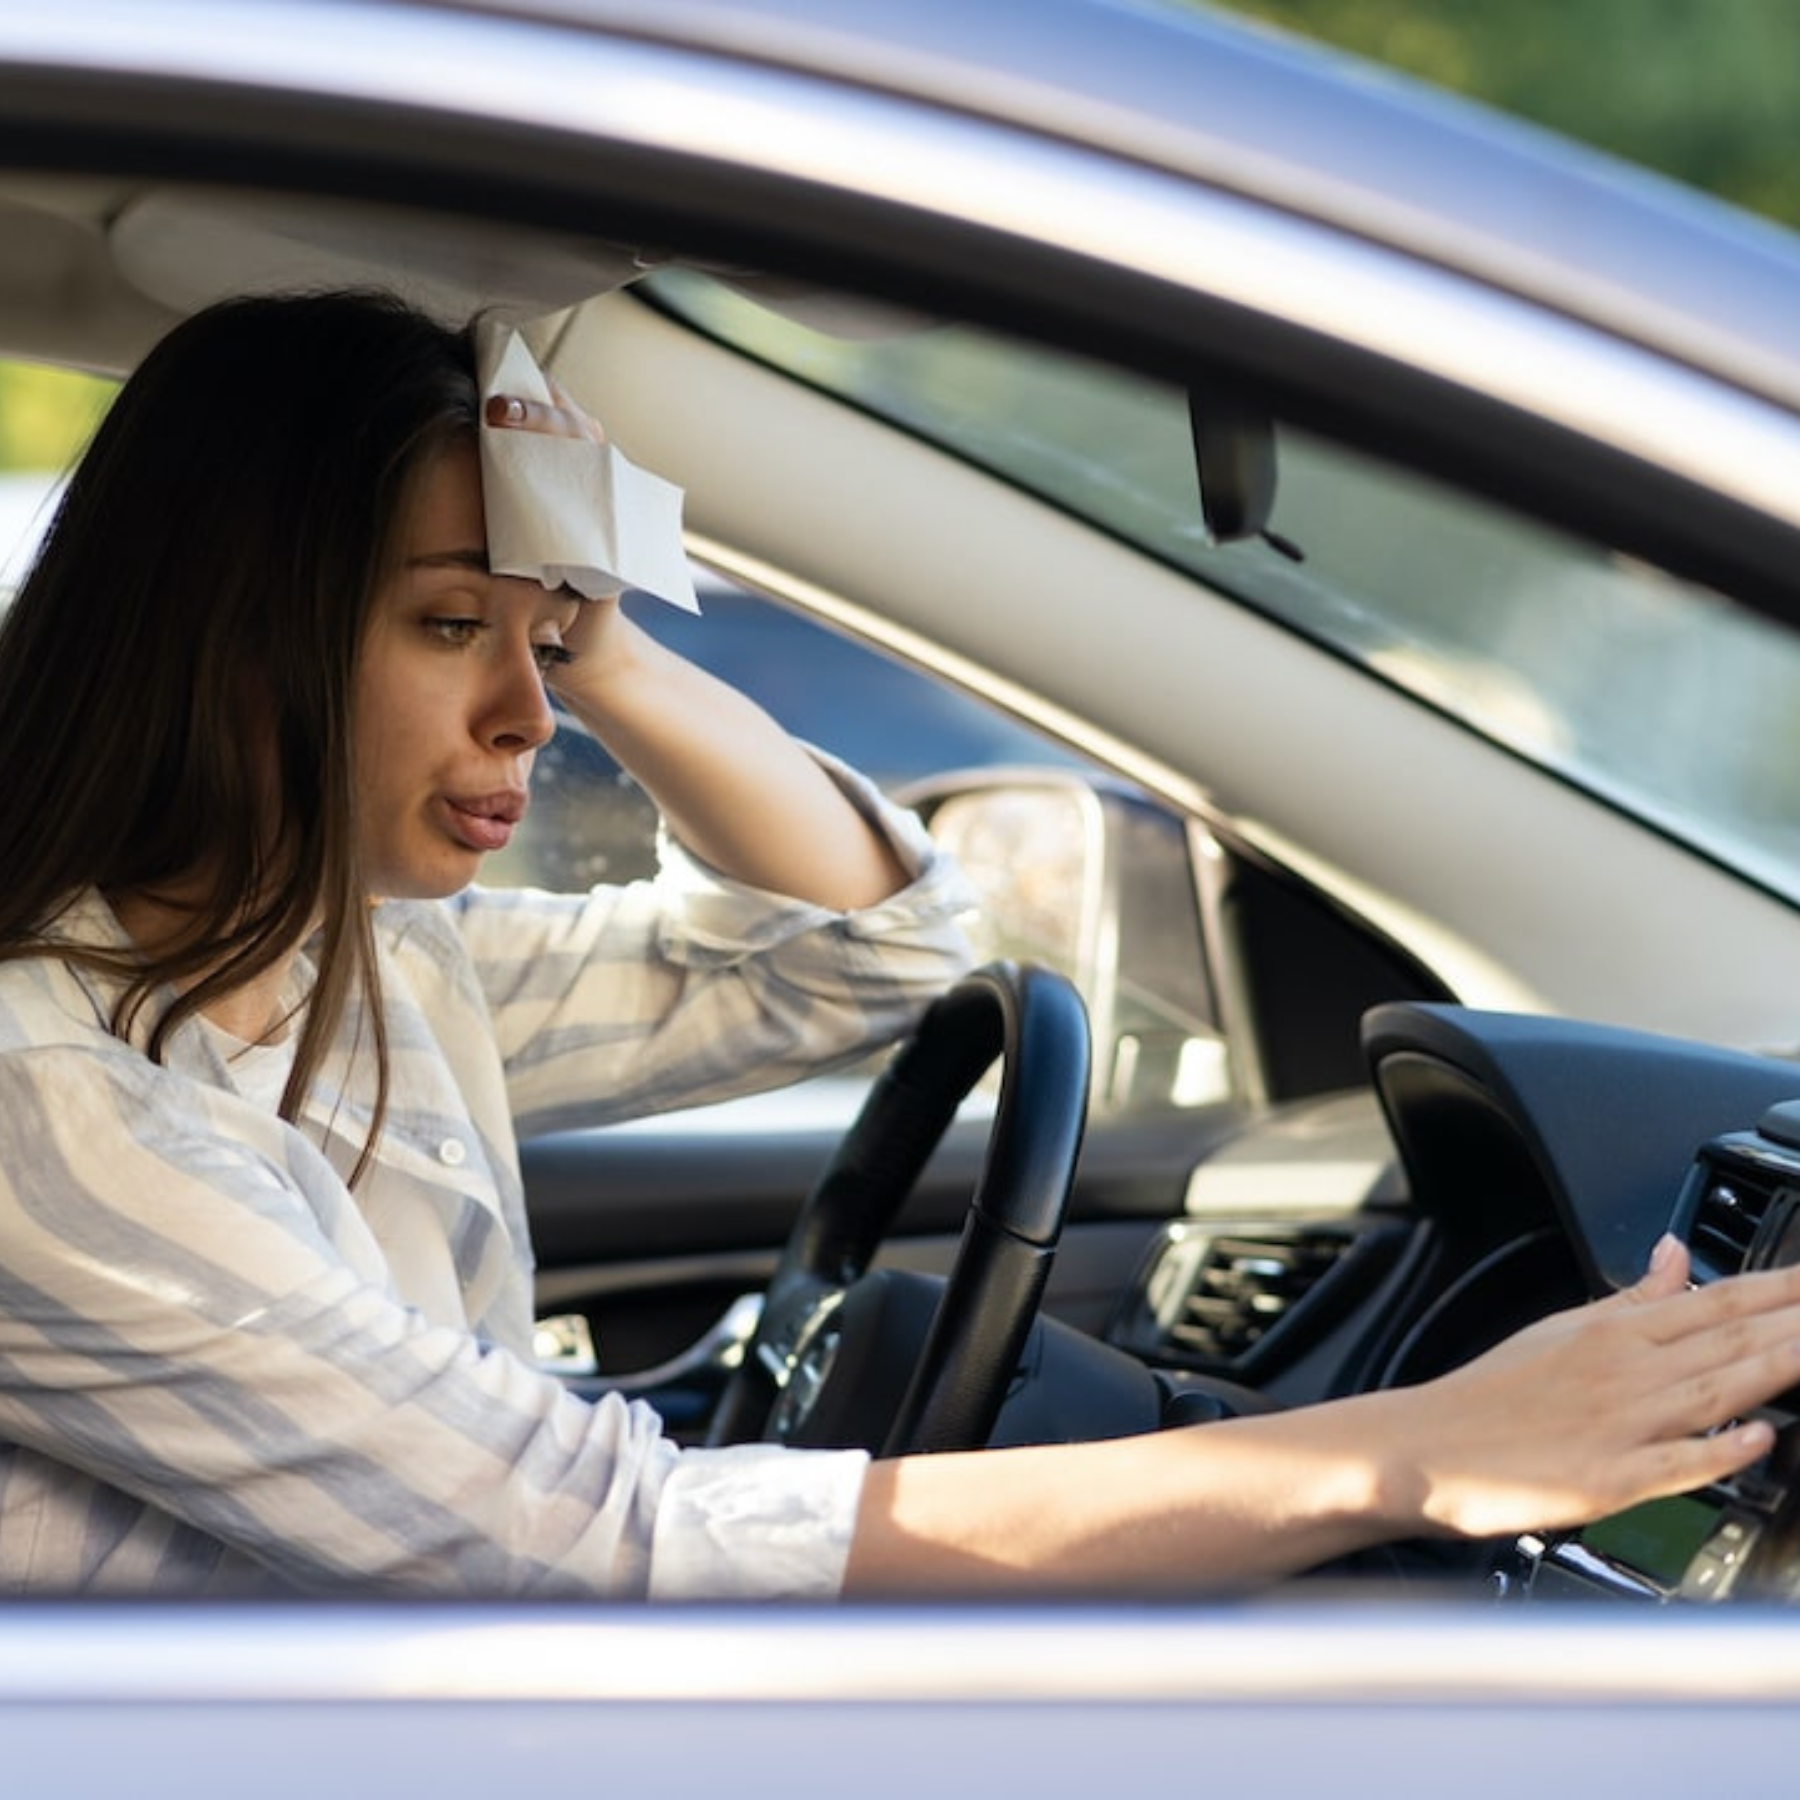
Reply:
x=46, y=418
x=1597, y=666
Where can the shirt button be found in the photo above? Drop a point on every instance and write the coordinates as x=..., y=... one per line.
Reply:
x=452, y=1153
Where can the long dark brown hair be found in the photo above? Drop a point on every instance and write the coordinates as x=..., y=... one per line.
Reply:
x=203, y=588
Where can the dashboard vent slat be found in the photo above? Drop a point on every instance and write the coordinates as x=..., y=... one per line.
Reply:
x=1220, y=1296
x=1728, y=1217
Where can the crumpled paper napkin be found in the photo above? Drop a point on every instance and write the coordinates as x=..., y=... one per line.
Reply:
x=568, y=511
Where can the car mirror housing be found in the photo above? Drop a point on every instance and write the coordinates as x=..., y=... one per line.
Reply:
x=1095, y=880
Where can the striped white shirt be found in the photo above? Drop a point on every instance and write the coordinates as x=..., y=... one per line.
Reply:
x=220, y=1370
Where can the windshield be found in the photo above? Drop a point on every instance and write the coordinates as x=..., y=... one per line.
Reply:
x=1594, y=665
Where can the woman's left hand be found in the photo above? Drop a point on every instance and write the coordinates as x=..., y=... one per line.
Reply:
x=565, y=417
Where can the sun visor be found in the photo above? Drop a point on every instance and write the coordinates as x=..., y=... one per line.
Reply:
x=186, y=249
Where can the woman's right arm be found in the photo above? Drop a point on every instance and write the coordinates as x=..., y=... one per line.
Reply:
x=205, y=1371
x=1580, y=1415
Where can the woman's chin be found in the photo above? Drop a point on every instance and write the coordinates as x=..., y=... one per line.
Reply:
x=435, y=881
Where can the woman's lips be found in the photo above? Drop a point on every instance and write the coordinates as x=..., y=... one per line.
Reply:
x=486, y=823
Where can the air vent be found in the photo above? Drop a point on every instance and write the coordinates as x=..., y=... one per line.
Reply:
x=1209, y=1299
x=1729, y=1213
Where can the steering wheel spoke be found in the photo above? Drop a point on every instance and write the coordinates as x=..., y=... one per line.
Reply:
x=823, y=1323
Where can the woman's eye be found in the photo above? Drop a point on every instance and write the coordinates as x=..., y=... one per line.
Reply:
x=459, y=632
x=463, y=633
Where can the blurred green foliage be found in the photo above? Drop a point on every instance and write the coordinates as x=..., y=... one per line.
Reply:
x=1704, y=90
x=47, y=415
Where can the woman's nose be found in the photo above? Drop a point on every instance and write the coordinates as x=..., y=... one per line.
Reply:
x=521, y=717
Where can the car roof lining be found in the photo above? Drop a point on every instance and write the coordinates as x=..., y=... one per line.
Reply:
x=62, y=298
x=96, y=270
x=187, y=247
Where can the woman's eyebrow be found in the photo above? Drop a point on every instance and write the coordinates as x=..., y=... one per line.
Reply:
x=451, y=559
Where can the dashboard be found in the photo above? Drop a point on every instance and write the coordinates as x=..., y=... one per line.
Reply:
x=1531, y=1163
x=1738, y=1209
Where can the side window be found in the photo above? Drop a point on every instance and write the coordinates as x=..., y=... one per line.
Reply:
x=27, y=499
x=46, y=417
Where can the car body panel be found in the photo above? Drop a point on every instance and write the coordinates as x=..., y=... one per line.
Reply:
x=693, y=1701
x=1308, y=132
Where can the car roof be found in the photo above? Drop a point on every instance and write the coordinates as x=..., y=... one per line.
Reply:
x=1268, y=115
x=1233, y=104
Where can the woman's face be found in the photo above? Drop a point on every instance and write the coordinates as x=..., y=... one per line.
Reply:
x=450, y=700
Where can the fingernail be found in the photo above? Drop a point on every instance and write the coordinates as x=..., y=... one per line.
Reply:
x=1665, y=1248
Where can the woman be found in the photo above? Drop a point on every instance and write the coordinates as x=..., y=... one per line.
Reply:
x=264, y=1276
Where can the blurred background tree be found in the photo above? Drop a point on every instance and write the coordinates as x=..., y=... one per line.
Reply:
x=47, y=415
x=1704, y=90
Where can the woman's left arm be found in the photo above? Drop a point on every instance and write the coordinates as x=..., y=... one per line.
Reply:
x=731, y=784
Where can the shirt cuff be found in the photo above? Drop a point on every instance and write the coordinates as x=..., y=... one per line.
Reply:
x=756, y=1522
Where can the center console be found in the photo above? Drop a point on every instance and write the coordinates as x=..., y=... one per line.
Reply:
x=1739, y=1209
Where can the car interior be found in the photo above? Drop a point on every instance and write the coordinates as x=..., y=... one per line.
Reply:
x=1273, y=1085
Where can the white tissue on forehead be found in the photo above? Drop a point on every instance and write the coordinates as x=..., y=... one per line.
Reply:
x=567, y=511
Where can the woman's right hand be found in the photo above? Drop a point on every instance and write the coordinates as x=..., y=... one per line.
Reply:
x=1584, y=1413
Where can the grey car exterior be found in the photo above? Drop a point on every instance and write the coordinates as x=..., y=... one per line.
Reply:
x=1132, y=163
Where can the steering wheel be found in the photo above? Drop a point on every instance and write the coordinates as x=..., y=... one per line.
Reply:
x=892, y=1362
